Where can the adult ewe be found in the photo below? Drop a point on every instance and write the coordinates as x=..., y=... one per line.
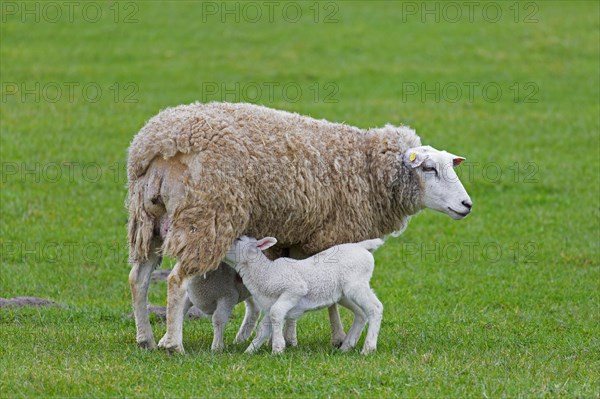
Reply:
x=203, y=174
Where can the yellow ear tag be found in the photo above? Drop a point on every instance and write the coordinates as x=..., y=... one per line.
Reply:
x=413, y=156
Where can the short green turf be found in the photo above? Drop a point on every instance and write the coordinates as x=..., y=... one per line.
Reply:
x=502, y=304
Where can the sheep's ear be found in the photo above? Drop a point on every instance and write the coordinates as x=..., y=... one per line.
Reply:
x=413, y=159
x=457, y=160
x=266, y=243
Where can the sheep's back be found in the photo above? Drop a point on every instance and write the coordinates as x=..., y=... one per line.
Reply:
x=284, y=174
x=289, y=170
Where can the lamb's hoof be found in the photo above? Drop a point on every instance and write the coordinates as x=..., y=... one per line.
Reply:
x=337, y=341
x=346, y=348
x=170, y=347
x=291, y=343
x=217, y=349
x=149, y=344
x=241, y=338
x=368, y=350
x=278, y=350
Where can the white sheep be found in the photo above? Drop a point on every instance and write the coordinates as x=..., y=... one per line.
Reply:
x=286, y=288
x=213, y=172
x=216, y=293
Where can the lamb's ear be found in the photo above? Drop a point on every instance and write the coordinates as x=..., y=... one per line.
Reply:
x=413, y=159
x=266, y=243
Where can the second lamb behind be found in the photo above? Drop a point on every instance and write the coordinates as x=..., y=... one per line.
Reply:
x=286, y=288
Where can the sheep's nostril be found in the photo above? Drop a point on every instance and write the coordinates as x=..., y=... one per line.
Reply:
x=468, y=204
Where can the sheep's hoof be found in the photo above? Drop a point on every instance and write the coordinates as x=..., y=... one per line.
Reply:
x=240, y=338
x=217, y=349
x=368, y=350
x=337, y=341
x=170, y=347
x=291, y=343
x=278, y=351
x=346, y=348
x=150, y=345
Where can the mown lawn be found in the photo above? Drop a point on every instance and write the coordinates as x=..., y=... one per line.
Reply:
x=502, y=304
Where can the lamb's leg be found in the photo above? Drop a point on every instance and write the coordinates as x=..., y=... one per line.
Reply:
x=357, y=324
x=188, y=304
x=337, y=329
x=278, y=311
x=249, y=323
x=374, y=317
x=264, y=332
x=176, y=298
x=139, y=281
x=368, y=302
x=289, y=333
x=219, y=320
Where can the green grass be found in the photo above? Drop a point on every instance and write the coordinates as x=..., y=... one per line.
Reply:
x=502, y=304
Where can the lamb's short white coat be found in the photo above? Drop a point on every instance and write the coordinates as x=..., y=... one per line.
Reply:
x=216, y=293
x=286, y=288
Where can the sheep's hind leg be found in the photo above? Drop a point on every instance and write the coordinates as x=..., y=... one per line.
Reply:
x=176, y=301
x=188, y=305
x=139, y=281
x=357, y=325
x=289, y=333
x=364, y=297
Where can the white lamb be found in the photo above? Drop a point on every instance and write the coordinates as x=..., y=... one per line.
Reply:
x=216, y=293
x=286, y=288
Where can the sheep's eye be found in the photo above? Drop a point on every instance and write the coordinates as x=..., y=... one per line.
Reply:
x=429, y=169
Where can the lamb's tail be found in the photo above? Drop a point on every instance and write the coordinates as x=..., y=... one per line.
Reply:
x=371, y=245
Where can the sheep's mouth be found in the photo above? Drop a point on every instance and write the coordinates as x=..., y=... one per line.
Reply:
x=464, y=215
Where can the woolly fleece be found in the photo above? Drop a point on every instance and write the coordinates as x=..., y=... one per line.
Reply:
x=220, y=170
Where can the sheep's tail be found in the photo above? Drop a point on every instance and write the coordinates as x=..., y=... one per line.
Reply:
x=371, y=245
x=142, y=221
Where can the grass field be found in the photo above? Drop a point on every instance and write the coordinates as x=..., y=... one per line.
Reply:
x=502, y=304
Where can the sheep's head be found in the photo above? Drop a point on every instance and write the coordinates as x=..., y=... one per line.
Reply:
x=442, y=189
x=246, y=249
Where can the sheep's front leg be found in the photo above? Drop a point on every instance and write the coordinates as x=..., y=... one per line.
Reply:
x=176, y=299
x=249, y=323
x=264, y=332
x=337, y=329
x=139, y=281
x=219, y=320
x=278, y=312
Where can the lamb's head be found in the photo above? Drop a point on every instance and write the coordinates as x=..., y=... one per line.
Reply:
x=247, y=249
x=442, y=189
